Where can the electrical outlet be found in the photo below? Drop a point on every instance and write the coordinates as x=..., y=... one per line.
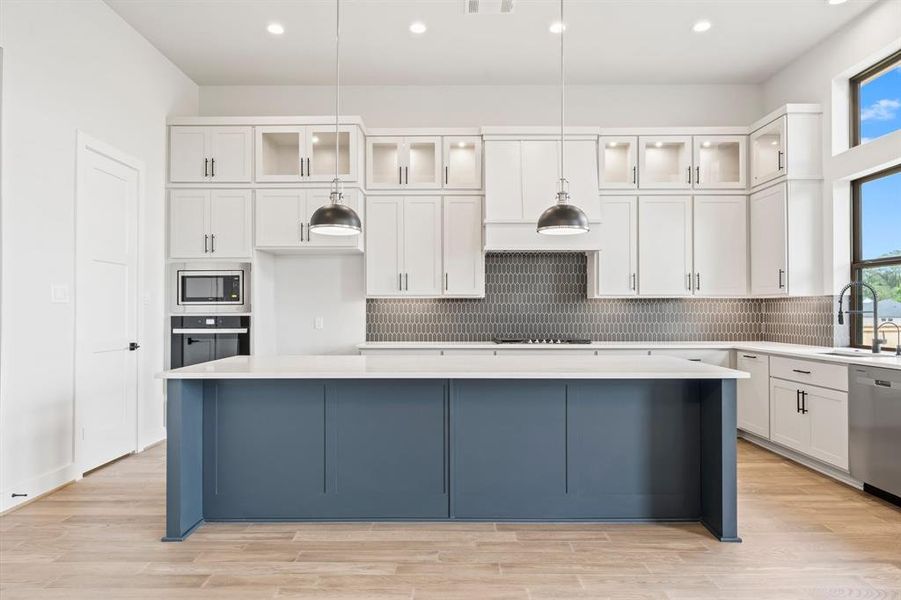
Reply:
x=318, y=323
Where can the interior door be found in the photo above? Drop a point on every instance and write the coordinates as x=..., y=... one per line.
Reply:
x=788, y=426
x=279, y=217
x=464, y=260
x=721, y=245
x=231, y=154
x=769, y=244
x=540, y=169
x=187, y=153
x=384, y=246
x=664, y=245
x=189, y=223
x=106, y=379
x=230, y=223
x=422, y=246
x=617, y=262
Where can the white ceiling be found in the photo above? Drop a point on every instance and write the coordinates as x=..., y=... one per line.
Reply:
x=225, y=42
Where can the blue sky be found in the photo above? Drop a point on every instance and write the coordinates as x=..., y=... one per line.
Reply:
x=880, y=107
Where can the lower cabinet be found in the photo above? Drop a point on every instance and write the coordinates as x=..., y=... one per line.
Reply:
x=811, y=420
x=754, y=393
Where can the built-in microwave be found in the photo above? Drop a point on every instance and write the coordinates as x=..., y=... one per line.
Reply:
x=210, y=288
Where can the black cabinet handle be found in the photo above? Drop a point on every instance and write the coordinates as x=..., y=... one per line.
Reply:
x=797, y=401
x=689, y=175
x=206, y=239
x=446, y=174
x=802, y=371
x=406, y=282
x=804, y=410
x=400, y=175
x=406, y=175
x=779, y=160
x=400, y=282
x=212, y=243
x=301, y=167
x=697, y=175
x=697, y=281
x=633, y=281
x=212, y=167
x=781, y=275
x=446, y=285
x=749, y=355
x=206, y=164
x=310, y=171
x=634, y=175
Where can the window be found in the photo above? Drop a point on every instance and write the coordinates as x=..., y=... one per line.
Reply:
x=876, y=101
x=876, y=253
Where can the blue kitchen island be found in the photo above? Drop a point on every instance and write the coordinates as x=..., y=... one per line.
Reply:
x=545, y=438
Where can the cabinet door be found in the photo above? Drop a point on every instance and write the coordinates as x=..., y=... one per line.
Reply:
x=463, y=162
x=320, y=153
x=721, y=245
x=187, y=153
x=279, y=151
x=278, y=217
x=754, y=394
x=664, y=251
x=384, y=246
x=664, y=162
x=422, y=246
x=616, y=265
x=581, y=164
x=618, y=162
x=720, y=161
x=230, y=223
x=189, y=223
x=464, y=260
x=422, y=167
x=768, y=152
x=384, y=167
x=503, y=181
x=231, y=154
x=317, y=198
x=769, y=242
x=827, y=411
x=788, y=426
x=540, y=174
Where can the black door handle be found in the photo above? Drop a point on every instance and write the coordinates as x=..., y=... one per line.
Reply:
x=132, y=346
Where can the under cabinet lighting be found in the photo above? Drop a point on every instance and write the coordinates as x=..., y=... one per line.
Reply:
x=658, y=145
x=417, y=27
x=275, y=29
x=701, y=26
x=557, y=27
x=706, y=144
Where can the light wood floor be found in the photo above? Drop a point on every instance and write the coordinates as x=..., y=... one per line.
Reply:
x=805, y=536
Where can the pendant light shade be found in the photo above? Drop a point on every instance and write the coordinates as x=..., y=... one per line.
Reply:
x=336, y=218
x=562, y=218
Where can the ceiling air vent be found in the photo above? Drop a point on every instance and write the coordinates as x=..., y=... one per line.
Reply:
x=487, y=7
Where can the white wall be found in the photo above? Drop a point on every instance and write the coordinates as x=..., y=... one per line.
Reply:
x=821, y=75
x=70, y=66
x=472, y=106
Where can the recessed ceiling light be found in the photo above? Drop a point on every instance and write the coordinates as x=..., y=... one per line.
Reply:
x=658, y=145
x=417, y=27
x=834, y=2
x=275, y=29
x=701, y=26
x=557, y=27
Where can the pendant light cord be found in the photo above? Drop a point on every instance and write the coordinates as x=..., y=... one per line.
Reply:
x=561, y=197
x=336, y=195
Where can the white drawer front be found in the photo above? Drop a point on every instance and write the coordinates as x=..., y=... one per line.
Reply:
x=810, y=372
x=720, y=358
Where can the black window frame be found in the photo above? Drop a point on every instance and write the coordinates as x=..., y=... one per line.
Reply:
x=858, y=264
x=855, y=83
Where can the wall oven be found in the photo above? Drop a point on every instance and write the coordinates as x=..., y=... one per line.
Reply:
x=197, y=339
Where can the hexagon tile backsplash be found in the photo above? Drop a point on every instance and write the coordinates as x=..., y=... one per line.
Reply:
x=544, y=295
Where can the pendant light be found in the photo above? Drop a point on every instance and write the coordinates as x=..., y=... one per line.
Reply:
x=562, y=218
x=336, y=218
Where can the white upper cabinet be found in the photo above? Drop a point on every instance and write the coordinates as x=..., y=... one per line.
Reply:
x=664, y=246
x=464, y=260
x=463, y=162
x=209, y=223
x=768, y=152
x=720, y=245
x=404, y=162
x=665, y=162
x=384, y=246
x=503, y=181
x=422, y=246
x=614, y=270
x=210, y=154
x=769, y=244
x=581, y=164
x=305, y=153
x=720, y=162
x=618, y=162
x=540, y=175
x=282, y=221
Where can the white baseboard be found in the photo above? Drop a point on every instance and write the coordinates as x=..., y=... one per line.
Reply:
x=810, y=463
x=37, y=486
x=151, y=439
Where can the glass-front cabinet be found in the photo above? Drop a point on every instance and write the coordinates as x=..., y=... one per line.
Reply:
x=768, y=152
x=617, y=162
x=719, y=162
x=665, y=162
x=305, y=153
x=463, y=162
x=404, y=162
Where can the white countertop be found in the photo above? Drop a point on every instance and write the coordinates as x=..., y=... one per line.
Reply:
x=774, y=348
x=452, y=367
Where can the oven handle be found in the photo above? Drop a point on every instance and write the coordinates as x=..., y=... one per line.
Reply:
x=210, y=330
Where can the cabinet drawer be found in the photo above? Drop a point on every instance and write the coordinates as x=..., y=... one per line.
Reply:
x=810, y=372
x=720, y=358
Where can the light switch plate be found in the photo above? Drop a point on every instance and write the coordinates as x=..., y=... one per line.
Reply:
x=318, y=323
x=59, y=293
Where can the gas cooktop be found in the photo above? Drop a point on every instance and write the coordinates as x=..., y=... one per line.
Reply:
x=537, y=340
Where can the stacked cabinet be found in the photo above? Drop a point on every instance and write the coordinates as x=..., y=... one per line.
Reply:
x=670, y=162
x=282, y=220
x=209, y=223
x=210, y=154
x=424, y=246
x=305, y=153
x=424, y=162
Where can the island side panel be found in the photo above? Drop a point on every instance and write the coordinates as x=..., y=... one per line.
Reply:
x=719, y=478
x=184, y=458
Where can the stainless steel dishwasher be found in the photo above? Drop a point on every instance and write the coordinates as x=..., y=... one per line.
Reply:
x=874, y=415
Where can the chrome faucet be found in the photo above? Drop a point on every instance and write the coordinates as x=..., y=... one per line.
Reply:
x=897, y=328
x=877, y=343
